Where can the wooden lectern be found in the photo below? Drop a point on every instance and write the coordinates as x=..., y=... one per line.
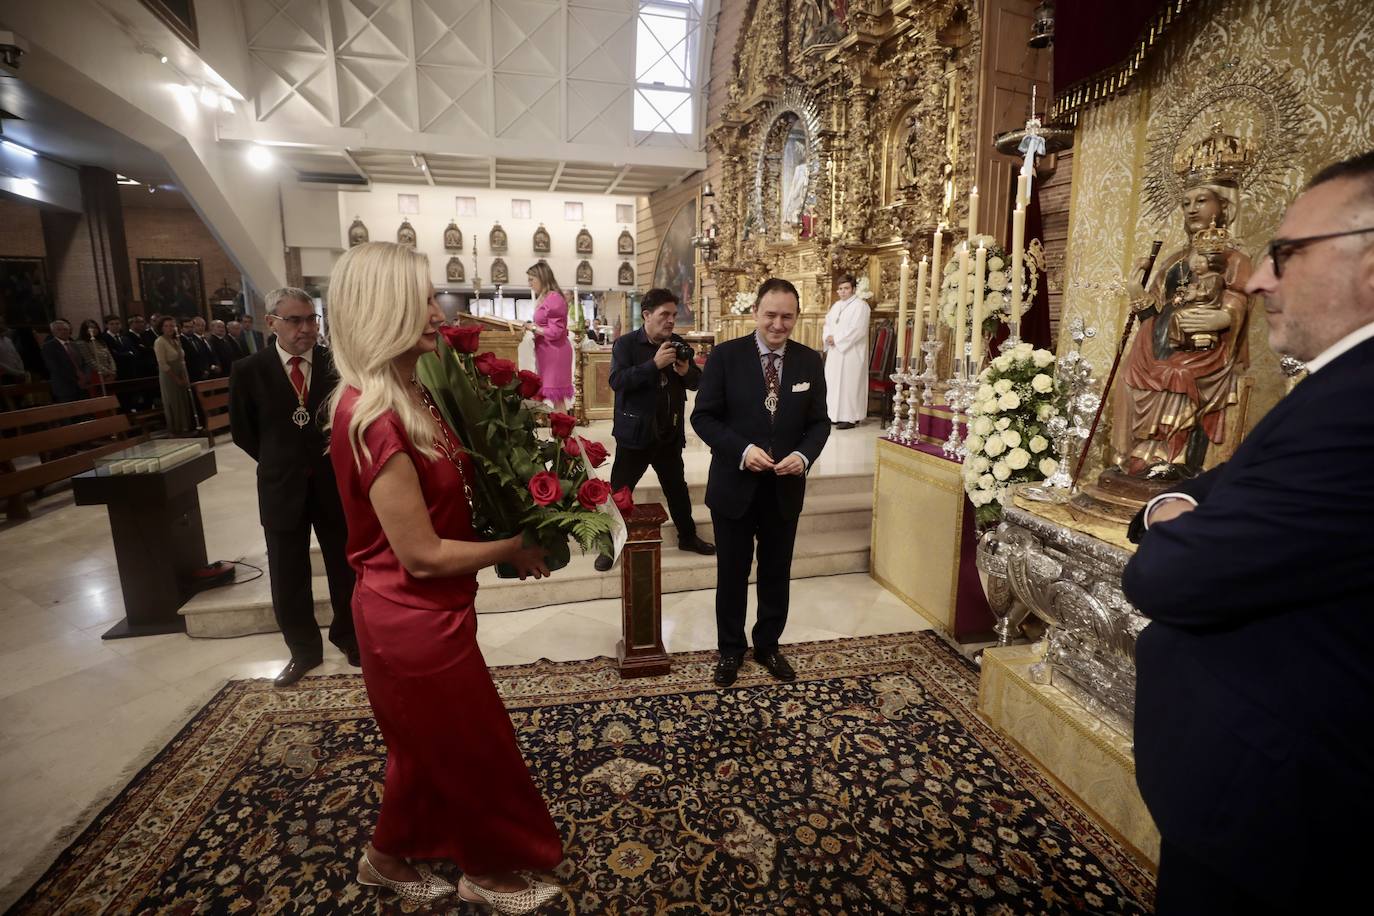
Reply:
x=640, y=652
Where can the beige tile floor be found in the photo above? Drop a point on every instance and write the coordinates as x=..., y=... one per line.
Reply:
x=78, y=714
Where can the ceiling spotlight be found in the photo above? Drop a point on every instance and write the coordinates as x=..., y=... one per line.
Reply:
x=414, y=161
x=162, y=58
x=260, y=157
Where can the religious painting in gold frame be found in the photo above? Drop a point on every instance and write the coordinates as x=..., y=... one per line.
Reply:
x=675, y=265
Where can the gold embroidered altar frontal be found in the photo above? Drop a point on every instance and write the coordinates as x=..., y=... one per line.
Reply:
x=1091, y=760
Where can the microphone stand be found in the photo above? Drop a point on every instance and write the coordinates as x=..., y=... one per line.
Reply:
x=1116, y=364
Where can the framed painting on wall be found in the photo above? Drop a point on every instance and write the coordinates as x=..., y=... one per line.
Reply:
x=25, y=295
x=675, y=267
x=172, y=286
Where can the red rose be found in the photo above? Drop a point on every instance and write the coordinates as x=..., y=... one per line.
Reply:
x=596, y=452
x=562, y=424
x=500, y=371
x=462, y=338
x=572, y=446
x=529, y=384
x=593, y=493
x=545, y=489
x=624, y=501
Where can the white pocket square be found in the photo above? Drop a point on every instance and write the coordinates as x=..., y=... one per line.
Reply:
x=802, y=386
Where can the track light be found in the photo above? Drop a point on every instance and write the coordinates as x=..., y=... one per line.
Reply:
x=260, y=157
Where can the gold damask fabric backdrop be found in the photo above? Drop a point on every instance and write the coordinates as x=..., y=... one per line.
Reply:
x=1324, y=48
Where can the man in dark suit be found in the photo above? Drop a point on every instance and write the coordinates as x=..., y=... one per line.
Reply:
x=65, y=364
x=275, y=401
x=253, y=340
x=761, y=409
x=197, y=357
x=225, y=348
x=651, y=385
x=1255, y=698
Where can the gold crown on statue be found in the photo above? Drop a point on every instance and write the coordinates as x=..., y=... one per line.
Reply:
x=1213, y=239
x=1218, y=158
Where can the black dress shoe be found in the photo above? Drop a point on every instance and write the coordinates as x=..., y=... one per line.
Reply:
x=351, y=653
x=697, y=545
x=294, y=671
x=777, y=666
x=727, y=669
x=845, y=425
x=603, y=562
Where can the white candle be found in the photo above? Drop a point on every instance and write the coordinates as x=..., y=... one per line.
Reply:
x=1018, y=245
x=935, y=275
x=980, y=282
x=901, y=308
x=961, y=312
x=972, y=215
x=1022, y=190
x=917, y=333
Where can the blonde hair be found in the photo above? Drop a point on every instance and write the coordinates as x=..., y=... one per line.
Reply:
x=378, y=308
x=544, y=274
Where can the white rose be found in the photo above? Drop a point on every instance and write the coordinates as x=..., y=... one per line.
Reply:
x=1009, y=401
x=1003, y=385
x=984, y=392
x=1042, y=358
x=982, y=426
x=1004, y=423
x=1039, y=443
x=1018, y=459
x=980, y=464
x=980, y=498
x=1048, y=466
x=1042, y=383
x=997, y=280
x=987, y=481
x=996, y=263
x=974, y=443
x=1001, y=470
x=1002, y=363
x=1044, y=412
x=986, y=407
x=1023, y=349
x=1012, y=438
x=994, y=446
x=994, y=301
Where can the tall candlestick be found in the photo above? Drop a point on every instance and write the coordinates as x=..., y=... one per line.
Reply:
x=961, y=312
x=972, y=215
x=1018, y=245
x=980, y=282
x=905, y=276
x=935, y=276
x=918, y=332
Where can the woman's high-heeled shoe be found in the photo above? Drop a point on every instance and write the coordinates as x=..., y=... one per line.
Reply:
x=515, y=903
x=429, y=888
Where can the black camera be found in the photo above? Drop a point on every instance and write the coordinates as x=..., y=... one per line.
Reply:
x=683, y=351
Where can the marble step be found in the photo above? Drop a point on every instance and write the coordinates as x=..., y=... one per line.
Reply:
x=246, y=608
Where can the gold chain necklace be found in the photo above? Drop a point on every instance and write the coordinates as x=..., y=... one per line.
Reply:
x=450, y=449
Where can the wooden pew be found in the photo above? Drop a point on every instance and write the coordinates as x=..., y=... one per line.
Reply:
x=212, y=399
x=24, y=394
x=93, y=428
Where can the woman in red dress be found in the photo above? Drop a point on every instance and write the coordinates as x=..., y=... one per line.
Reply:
x=456, y=785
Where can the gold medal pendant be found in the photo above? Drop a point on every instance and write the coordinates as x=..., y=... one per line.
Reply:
x=771, y=402
x=300, y=416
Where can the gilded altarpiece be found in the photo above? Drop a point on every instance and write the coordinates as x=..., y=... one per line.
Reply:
x=839, y=145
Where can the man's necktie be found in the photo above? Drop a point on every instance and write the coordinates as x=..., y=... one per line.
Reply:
x=298, y=379
x=770, y=378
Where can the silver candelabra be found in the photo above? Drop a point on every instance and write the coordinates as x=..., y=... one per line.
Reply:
x=1069, y=430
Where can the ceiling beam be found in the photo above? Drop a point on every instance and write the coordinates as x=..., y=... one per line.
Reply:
x=362, y=172
x=429, y=172
x=557, y=174
x=492, y=172
x=610, y=188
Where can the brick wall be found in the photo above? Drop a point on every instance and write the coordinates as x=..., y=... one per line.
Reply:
x=166, y=232
x=21, y=230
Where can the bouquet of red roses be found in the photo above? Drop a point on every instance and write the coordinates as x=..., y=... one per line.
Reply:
x=543, y=487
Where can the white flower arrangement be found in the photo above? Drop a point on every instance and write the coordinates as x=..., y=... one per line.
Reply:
x=997, y=292
x=744, y=304
x=1008, y=442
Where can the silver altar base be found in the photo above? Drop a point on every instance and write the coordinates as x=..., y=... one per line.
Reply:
x=1072, y=581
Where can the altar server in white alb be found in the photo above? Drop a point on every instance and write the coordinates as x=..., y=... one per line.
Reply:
x=846, y=356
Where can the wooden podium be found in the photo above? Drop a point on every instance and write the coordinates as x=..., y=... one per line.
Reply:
x=640, y=652
x=158, y=537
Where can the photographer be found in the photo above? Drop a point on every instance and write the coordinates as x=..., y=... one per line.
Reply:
x=651, y=371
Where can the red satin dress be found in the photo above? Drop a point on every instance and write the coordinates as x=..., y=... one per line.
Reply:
x=456, y=785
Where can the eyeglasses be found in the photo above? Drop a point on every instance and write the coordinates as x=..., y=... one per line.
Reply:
x=1280, y=250
x=297, y=320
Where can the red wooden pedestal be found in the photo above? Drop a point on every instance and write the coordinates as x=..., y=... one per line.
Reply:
x=640, y=652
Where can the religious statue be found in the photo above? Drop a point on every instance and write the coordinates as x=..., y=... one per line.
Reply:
x=584, y=241
x=796, y=176
x=357, y=233
x=406, y=234
x=453, y=237
x=625, y=276
x=496, y=239
x=454, y=270
x=626, y=243
x=909, y=157
x=1180, y=377
x=584, y=273
x=542, y=243
x=500, y=273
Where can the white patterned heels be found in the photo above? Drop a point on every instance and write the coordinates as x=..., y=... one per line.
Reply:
x=429, y=888
x=515, y=903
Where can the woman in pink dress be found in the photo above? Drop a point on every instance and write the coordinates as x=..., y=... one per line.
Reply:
x=553, y=351
x=456, y=786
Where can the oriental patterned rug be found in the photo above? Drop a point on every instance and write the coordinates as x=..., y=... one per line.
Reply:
x=868, y=786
